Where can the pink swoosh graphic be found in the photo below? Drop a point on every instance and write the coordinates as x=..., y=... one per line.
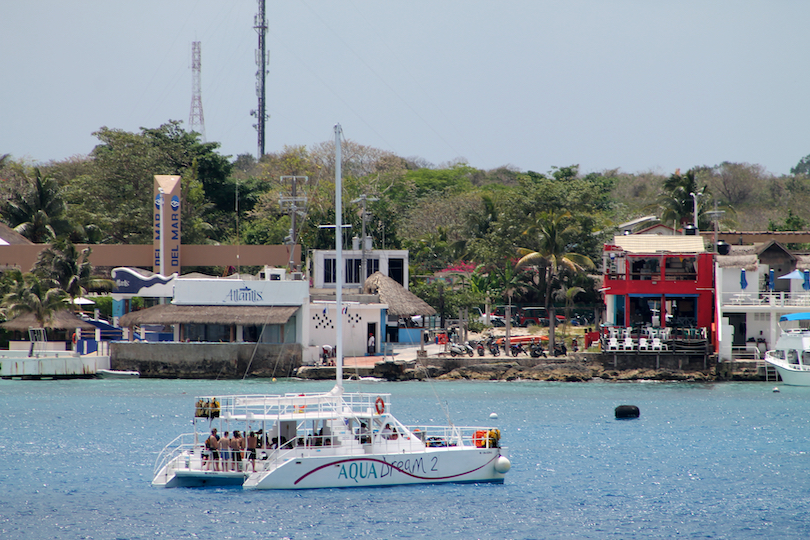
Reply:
x=395, y=468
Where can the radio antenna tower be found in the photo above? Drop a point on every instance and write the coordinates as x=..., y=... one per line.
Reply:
x=260, y=25
x=196, y=122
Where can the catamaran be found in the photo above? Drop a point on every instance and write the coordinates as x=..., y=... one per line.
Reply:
x=325, y=440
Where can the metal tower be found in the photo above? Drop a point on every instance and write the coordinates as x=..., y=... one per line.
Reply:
x=260, y=25
x=196, y=122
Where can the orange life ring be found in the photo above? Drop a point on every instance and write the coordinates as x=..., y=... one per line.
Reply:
x=379, y=404
x=74, y=338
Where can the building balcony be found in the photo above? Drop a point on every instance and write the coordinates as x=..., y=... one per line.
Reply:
x=765, y=299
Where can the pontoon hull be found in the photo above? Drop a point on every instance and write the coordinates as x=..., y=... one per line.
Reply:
x=339, y=471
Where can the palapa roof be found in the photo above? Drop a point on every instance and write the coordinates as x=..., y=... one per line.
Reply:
x=239, y=315
x=10, y=237
x=401, y=302
x=61, y=320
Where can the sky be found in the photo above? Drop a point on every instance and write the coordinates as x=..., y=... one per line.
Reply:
x=532, y=84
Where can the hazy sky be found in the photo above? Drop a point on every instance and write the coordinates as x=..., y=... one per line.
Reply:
x=636, y=85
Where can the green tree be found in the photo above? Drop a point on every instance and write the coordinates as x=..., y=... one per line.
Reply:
x=62, y=265
x=676, y=200
x=31, y=295
x=117, y=196
x=553, y=253
x=38, y=212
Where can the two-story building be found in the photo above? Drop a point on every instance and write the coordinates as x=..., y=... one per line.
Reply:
x=659, y=282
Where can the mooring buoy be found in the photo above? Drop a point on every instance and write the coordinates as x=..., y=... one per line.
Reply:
x=627, y=411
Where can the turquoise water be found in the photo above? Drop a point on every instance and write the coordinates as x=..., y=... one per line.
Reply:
x=704, y=461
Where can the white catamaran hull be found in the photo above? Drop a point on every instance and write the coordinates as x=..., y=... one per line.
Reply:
x=310, y=472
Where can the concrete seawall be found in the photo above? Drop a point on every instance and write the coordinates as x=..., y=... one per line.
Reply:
x=205, y=360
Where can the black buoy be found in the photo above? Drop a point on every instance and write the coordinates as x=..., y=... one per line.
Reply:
x=627, y=411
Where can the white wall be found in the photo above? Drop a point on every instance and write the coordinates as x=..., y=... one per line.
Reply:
x=236, y=292
x=322, y=319
x=383, y=255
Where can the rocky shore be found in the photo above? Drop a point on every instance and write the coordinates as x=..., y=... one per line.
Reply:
x=557, y=369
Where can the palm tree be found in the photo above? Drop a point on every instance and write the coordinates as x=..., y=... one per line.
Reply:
x=676, y=201
x=30, y=295
x=69, y=269
x=567, y=294
x=551, y=232
x=38, y=212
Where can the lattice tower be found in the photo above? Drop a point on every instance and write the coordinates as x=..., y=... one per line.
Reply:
x=196, y=122
x=260, y=25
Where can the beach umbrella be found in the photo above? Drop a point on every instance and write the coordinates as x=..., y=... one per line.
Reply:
x=771, y=285
x=743, y=281
x=796, y=274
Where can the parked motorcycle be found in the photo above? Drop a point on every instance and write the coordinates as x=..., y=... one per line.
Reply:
x=458, y=349
x=560, y=350
x=480, y=348
x=517, y=348
x=494, y=348
x=536, y=350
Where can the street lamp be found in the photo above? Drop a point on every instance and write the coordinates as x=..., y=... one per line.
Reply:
x=695, y=196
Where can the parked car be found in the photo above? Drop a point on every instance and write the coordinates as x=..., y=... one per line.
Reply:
x=494, y=319
x=530, y=316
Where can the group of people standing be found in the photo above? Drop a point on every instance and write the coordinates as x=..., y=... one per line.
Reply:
x=228, y=452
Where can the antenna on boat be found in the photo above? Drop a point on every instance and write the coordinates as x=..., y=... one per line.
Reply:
x=339, y=259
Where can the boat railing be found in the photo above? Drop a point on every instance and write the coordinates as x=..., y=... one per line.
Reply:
x=176, y=448
x=456, y=436
x=263, y=406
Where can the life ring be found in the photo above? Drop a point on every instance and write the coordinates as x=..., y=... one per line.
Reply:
x=73, y=339
x=300, y=408
x=379, y=405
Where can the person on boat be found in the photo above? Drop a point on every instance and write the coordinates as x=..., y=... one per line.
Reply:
x=225, y=451
x=213, y=444
x=386, y=432
x=236, y=450
x=251, y=450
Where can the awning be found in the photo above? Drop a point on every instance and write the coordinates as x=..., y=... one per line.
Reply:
x=226, y=315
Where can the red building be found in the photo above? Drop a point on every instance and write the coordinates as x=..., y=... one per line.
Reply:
x=659, y=282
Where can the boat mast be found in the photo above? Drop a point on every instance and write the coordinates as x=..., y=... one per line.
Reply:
x=339, y=258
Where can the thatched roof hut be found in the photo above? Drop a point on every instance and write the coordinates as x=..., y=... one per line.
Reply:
x=61, y=320
x=225, y=315
x=401, y=302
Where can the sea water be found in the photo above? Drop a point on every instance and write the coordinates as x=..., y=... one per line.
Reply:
x=724, y=460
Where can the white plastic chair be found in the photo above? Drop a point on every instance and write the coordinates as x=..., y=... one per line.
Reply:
x=657, y=345
x=628, y=344
x=613, y=344
x=643, y=344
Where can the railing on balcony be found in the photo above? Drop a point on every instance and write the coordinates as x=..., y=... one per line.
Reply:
x=767, y=299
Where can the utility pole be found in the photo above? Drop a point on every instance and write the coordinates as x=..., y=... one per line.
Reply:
x=260, y=25
x=363, y=272
x=196, y=122
x=292, y=204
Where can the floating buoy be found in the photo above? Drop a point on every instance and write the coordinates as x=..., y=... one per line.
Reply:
x=776, y=389
x=627, y=411
x=493, y=415
x=502, y=464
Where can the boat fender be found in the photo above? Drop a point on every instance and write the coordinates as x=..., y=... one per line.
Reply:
x=379, y=405
x=502, y=464
x=627, y=411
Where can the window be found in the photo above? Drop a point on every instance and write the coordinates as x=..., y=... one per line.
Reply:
x=353, y=270
x=329, y=273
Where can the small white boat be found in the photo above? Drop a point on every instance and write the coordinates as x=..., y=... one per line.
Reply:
x=791, y=357
x=327, y=439
x=117, y=374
